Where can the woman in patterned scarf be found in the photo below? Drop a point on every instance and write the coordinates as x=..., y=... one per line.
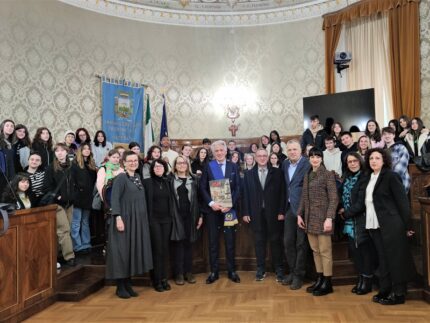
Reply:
x=360, y=245
x=108, y=172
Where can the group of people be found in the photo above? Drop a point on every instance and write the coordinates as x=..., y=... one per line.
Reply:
x=289, y=193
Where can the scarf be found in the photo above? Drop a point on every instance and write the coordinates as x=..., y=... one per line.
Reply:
x=110, y=168
x=349, y=183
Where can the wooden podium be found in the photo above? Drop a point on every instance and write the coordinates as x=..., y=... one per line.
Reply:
x=28, y=260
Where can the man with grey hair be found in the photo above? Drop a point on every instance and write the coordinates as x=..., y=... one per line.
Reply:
x=216, y=216
x=264, y=209
x=295, y=242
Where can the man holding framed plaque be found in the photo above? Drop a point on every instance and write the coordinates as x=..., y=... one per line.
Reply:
x=220, y=187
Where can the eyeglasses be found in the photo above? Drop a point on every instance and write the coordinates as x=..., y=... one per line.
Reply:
x=158, y=166
x=353, y=161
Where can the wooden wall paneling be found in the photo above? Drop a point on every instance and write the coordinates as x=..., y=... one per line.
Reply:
x=9, y=301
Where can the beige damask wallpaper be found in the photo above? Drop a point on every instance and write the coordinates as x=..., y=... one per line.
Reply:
x=425, y=61
x=50, y=53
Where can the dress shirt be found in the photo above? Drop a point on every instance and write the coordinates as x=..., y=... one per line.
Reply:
x=371, y=217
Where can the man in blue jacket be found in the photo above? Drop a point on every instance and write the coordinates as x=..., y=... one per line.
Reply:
x=295, y=241
x=217, y=217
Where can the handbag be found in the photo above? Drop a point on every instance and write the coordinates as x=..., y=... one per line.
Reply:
x=97, y=200
x=5, y=210
x=50, y=197
x=423, y=162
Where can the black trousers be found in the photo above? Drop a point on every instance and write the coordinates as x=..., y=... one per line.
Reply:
x=385, y=284
x=296, y=245
x=215, y=223
x=363, y=257
x=182, y=250
x=263, y=231
x=160, y=239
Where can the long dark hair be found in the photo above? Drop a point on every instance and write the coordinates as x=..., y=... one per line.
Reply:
x=26, y=141
x=2, y=136
x=78, y=140
x=96, y=142
x=11, y=195
x=38, y=140
x=408, y=121
x=277, y=136
x=377, y=134
x=151, y=149
x=197, y=157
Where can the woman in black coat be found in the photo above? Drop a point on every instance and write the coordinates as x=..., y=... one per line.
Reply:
x=164, y=222
x=185, y=188
x=361, y=247
x=42, y=143
x=84, y=176
x=387, y=221
x=58, y=178
x=199, y=163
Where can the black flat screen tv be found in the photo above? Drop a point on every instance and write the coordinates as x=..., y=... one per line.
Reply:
x=351, y=108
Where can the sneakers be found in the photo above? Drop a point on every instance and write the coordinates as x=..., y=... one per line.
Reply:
x=260, y=275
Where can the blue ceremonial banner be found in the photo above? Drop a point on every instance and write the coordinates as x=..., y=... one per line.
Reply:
x=122, y=112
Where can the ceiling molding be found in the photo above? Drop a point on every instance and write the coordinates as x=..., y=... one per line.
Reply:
x=213, y=13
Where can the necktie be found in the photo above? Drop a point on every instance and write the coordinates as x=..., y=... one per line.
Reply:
x=262, y=177
x=220, y=166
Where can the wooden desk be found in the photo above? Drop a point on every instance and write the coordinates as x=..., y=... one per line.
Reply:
x=28, y=260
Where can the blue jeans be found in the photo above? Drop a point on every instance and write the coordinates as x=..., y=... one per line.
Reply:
x=80, y=229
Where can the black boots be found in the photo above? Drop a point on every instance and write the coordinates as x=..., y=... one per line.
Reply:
x=316, y=284
x=121, y=291
x=365, y=287
x=358, y=285
x=124, y=289
x=128, y=287
x=325, y=287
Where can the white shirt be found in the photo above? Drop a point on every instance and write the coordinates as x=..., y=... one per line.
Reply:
x=332, y=160
x=371, y=218
x=171, y=156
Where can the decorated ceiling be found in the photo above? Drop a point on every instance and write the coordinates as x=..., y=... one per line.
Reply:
x=213, y=13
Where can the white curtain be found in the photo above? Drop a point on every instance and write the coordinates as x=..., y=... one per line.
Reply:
x=367, y=39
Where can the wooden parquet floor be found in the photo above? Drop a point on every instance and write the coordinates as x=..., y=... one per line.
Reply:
x=224, y=301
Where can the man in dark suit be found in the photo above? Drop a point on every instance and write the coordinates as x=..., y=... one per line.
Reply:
x=264, y=209
x=215, y=213
x=295, y=241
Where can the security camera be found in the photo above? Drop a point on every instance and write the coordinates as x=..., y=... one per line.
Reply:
x=342, y=57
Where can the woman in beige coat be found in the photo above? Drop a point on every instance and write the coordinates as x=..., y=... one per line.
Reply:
x=315, y=215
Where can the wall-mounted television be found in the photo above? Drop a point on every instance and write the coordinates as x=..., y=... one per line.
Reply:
x=351, y=108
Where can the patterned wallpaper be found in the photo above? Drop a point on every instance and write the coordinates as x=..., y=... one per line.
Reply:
x=50, y=52
x=425, y=61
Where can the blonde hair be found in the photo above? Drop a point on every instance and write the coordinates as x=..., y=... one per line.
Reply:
x=187, y=172
x=80, y=158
